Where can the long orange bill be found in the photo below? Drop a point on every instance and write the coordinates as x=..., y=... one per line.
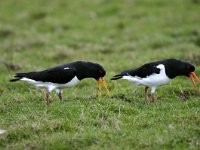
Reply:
x=195, y=76
x=192, y=81
x=105, y=86
x=99, y=87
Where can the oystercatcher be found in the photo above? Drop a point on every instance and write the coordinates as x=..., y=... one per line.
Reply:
x=64, y=76
x=158, y=73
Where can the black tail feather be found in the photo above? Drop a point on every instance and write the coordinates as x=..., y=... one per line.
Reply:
x=13, y=80
x=18, y=76
x=116, y=77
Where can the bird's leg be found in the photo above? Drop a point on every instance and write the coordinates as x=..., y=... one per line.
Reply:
x=49, y=89
x=47, y=98
x=60, y=96
x=146, y=94
x=153, y=92
x=153, y=97
x=59, y=93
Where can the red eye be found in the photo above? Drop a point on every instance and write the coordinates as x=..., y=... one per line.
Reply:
x=188, y=66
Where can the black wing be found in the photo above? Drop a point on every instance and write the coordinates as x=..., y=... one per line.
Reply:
x=58, y=75
x=143, y=71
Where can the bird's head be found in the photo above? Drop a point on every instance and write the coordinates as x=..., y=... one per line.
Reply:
x=98, y=71
x=186, y=69
x=92, y=70
x=190, y=73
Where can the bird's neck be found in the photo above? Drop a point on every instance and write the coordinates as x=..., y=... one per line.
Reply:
x=172, y=73
x=83, y=75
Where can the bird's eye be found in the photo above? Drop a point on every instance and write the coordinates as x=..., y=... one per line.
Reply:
x=100, y=71
x=188, y=66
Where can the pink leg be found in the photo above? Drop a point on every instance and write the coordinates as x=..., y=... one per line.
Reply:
x=47, y=98
x=60, y=96
x=146, y=95
x=153, y=97
x=59, y=93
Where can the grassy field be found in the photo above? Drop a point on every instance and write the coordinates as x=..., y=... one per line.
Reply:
x=119, y=34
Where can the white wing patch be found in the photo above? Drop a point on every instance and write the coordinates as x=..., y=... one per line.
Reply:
x=160, y=66
x=66, y=68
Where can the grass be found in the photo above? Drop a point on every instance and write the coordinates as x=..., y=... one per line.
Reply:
x=117, y=34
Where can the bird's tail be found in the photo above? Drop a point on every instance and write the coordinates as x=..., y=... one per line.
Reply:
x=116, y=77
x=15, y=79
x=18, y=77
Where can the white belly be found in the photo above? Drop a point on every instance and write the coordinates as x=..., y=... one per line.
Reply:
x=151, y=80
x=73, y=82
x=155, y=80
x=50, y=86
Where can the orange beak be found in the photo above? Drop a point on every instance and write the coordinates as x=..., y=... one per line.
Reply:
x=105, y=86
x=192, y=74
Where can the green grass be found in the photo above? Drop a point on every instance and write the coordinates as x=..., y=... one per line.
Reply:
x=118, y=34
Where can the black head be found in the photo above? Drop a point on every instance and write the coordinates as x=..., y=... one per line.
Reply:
x=176, y=67
x=89, y=70
x=182, y=68
x=188, y=69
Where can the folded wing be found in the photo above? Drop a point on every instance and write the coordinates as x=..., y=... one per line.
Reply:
x=143, y=71
x=58, y=75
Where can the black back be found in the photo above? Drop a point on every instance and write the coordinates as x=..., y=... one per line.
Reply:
x=173, y=68
x=142, y=71
x=87, y=69
x=54, y=75
x=65, y=73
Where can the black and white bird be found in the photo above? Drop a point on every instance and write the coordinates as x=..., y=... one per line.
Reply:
x=64, y=76
x=158, y=73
